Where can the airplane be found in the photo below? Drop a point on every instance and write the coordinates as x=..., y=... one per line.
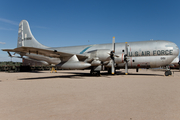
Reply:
x=98, y=57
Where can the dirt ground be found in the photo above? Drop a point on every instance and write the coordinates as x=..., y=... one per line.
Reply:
x=75, y=95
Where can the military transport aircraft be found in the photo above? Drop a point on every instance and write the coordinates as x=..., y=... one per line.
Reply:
x=98, y=57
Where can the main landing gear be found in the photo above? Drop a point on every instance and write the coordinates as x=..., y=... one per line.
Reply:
x=97, y=73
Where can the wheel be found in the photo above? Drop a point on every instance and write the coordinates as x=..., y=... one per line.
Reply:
x=168, y=72
x=109, y=71
x=91, y=72
x=98, y=73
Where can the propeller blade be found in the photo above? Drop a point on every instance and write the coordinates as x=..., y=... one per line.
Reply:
x=113, y=44
x=126, y=48
x=112, y=56
x=126, y=68
x=126, y=60
x=112, y=67
x=9, y=53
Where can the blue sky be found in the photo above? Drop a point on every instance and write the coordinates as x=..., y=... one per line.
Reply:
x=57, y=23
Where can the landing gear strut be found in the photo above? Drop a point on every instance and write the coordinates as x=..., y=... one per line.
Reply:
x=168, y=71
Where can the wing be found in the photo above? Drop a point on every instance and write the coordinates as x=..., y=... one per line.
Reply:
x=45, y=52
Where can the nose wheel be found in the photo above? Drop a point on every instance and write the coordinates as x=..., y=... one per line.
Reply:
x=168, y=72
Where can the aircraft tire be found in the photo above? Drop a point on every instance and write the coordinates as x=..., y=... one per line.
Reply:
x=98, y=73
x=109, y=71
x=168, y=72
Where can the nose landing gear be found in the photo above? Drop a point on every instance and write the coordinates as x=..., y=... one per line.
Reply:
x=168, y=72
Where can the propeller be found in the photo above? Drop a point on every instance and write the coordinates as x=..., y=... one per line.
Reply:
x=13, y=55
x=112, y=56
x=179, y=63
x=126, y=58
x=9, y=53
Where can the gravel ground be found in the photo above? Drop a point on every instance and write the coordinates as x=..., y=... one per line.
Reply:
x=75, y=95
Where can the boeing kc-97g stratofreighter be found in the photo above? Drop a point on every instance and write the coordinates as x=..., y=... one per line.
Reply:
x=98, y=57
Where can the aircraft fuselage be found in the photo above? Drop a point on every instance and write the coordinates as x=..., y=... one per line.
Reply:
x=141, y=54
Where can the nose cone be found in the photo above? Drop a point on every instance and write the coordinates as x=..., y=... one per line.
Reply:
x=176, y=49
x=172, y=46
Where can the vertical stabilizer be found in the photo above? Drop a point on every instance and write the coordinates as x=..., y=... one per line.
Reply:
x=25, y=37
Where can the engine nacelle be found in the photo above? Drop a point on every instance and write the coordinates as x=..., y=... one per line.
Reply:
x=119, y=58
x=74, y=65
x=44, y=58
x=101, y=54
x=95, y=62
x=42, y=62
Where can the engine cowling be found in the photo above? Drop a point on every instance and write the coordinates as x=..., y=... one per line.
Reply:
x=101, y=54
x=49, y=60
x=119, y=58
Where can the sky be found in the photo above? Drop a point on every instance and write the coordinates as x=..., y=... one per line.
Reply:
x=58, y=23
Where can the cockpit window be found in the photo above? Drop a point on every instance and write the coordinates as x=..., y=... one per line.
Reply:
x=172, y=46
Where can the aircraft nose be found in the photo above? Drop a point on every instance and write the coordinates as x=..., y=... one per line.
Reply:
x=172, y=46
x=176, y=49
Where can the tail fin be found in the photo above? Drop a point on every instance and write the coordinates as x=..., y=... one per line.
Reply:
x=25, y=37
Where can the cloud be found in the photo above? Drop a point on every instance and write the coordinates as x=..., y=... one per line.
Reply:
x=8, y=21
x=2, y=43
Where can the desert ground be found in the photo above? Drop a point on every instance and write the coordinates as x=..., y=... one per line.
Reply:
x=75, y=95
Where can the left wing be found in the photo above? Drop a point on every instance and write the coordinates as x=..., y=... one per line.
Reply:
x=45, y=52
